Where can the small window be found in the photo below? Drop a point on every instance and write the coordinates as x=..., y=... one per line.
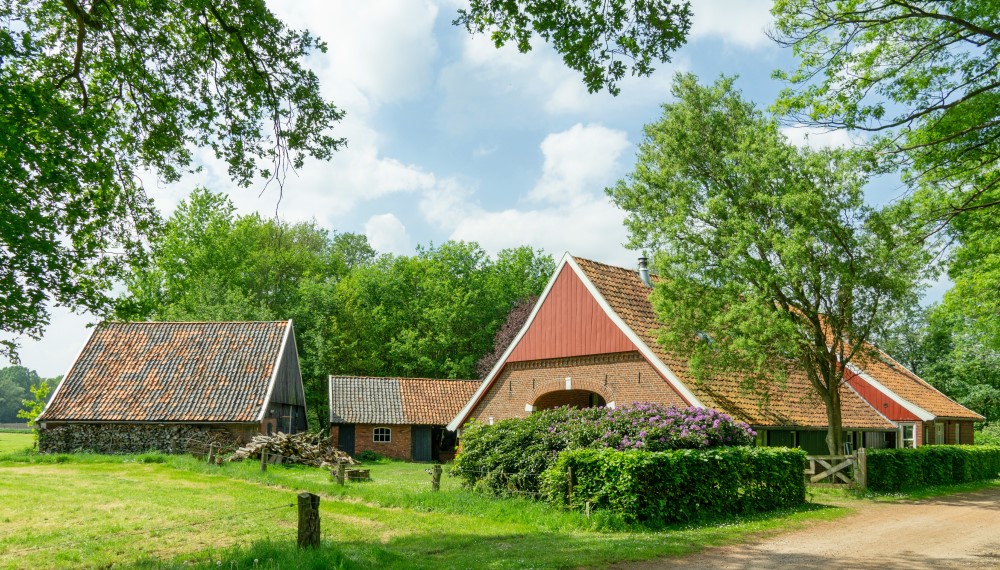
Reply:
x=382, y=435
x=906, y=437
x=958, y=435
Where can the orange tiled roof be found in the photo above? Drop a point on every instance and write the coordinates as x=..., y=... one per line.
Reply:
x=190, y=372
x=911, y=387
x=794, y=404
x=416, y=401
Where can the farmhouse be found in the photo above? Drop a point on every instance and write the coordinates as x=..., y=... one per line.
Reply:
x=591, y=341
x=924, y=415
x=141, y=386
x=403, y=418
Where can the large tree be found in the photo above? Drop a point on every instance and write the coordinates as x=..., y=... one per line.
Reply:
x=770, y=257
x=94, y=93
x=922, y=79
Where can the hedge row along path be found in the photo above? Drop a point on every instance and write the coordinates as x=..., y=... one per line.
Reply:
x=956, y=531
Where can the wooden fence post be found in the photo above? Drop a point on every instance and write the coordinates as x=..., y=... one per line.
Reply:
x=340, y=473
x=211, y=453
x=308, y=520
x=436, y=478
x=263, y=459
x=861, y=469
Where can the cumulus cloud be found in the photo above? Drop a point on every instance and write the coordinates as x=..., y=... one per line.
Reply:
x=566, y=210
x=738, y=22
x=387, y=234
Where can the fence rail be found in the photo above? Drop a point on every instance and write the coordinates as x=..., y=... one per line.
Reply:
x=839, y=469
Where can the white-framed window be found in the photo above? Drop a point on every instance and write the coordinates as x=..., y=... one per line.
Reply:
x=958, y=434
x=938, y=433
x=907, y=436
x=382, y=435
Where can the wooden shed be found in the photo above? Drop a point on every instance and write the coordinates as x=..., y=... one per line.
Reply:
x=153, y=385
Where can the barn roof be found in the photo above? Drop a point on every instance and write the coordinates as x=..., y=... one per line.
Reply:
x=903, y=384
x=416, y=401
x=172, y=372
x=795, y=404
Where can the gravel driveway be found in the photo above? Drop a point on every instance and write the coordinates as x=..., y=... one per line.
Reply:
x=957, y=531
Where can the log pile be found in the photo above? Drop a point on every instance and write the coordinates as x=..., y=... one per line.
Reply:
x=133, y=438
x=301, y=448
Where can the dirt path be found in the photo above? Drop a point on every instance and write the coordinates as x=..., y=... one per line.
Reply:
x=958, y=531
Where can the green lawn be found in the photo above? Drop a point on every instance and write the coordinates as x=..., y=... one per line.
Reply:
x=15, y=441
x=82, y=511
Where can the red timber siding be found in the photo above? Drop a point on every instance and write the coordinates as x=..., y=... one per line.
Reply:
x=570, y=323
x=884, y=404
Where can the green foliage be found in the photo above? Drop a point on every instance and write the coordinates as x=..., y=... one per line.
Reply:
x=593, y=37
x=431, y=315
x=510, y=456
x=369, y=456
x=35, y=406
x=773, y=259
x=94, y=94
x=681, y=485
x=891, y=470
x=989, y=435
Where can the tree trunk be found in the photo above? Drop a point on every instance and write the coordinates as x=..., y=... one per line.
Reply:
x=835, y=431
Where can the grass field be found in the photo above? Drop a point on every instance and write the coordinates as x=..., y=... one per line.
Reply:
x=15, y=441
x=155, y=511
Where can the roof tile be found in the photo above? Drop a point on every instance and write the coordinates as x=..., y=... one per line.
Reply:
x=416, y=401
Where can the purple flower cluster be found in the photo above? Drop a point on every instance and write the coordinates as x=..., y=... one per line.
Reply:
x=655, y=428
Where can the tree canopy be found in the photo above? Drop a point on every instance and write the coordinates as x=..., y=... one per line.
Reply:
x=355, y=312
x=594, y=38
x=769, y=255
x=95, y=93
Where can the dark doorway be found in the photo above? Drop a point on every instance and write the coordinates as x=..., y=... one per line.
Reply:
x=345, y=439
x=421, y=443
x=571, y=398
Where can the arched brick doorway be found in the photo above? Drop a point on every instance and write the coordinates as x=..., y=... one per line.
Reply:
x=571, y=398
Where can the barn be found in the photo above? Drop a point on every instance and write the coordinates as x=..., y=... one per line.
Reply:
x=402, y=418
x=157, y=385
x=591, y=341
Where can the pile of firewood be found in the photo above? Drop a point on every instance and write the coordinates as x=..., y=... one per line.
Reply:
x=301, y=448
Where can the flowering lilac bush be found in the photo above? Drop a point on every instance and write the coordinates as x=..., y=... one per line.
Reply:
x=510, y=456
x=653, y=427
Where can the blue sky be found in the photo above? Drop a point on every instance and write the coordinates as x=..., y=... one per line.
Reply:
x=450, y=138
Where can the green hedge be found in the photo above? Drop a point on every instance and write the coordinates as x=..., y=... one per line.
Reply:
x=680, y=485
x=891, y=470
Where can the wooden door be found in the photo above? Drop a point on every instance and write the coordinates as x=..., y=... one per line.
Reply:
x=421, y=438
x=345, y=439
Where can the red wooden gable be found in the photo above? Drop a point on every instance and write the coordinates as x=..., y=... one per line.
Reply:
x=570, y=323
x=881, y=402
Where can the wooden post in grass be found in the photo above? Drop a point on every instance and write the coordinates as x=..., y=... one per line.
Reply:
x=340, y=473
x=436, y=478
x=263, y=459
x=308, y=520
x=211, y=452
x=861, y=469
x=588, y=509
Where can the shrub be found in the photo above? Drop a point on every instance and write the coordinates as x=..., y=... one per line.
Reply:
x=891, y=470
x=678, y=485
x=369, y=456
x=510, y=456
x=989, y=435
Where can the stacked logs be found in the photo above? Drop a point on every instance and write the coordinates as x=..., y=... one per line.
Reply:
x=133, y=438
x=301, y=448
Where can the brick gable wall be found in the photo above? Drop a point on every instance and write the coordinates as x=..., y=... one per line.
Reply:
x=622, y=378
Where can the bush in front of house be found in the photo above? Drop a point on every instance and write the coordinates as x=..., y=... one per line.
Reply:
x=510, y=456
x=678, y=485
x=891, y=470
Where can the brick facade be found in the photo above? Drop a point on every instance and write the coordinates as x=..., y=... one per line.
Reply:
x=966, y=434
x=622, y=378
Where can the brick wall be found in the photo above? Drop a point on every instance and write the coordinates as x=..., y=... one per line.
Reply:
x=398, y=447
x=622, y=378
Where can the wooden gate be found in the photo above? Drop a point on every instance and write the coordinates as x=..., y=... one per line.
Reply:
x=839, y=469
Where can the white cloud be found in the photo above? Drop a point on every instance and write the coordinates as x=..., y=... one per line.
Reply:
x=577, y=161
x=381, y=50
x=568, y=209
x=817, y=137
x=738, y=22
x=387, y=234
